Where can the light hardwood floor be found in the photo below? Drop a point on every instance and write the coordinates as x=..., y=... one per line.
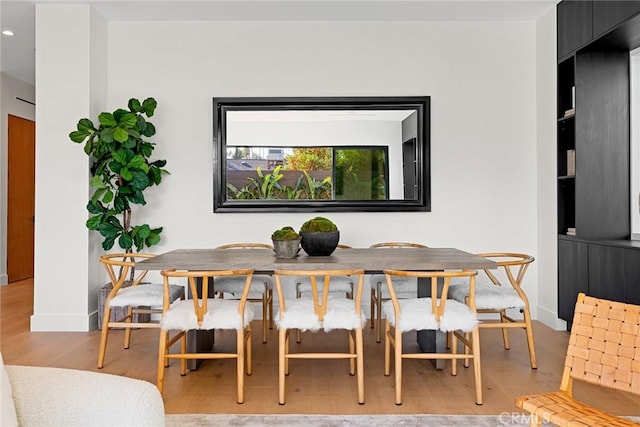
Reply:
x=314, y=386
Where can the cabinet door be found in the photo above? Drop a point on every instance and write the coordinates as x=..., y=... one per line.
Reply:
x=575, y=28
x=572, y=275
x=606, y=272
x=632, y=276
x=608, y=14
x=602, y=145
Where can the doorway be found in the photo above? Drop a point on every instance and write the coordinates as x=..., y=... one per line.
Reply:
x=20, y=198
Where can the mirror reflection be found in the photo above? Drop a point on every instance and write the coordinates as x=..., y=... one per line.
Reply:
x=324, y=154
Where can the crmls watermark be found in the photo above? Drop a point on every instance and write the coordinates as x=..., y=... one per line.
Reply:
x=516, y=418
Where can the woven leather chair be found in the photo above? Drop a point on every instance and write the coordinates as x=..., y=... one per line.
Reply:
x=496, y=297
x=405, y=288
x=456, y=319
x=261, y=287
x=316, y=312
x=132, y=294
x=603, y=350
x=204, y=313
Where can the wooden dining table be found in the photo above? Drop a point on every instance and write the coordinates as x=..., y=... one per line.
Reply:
x=373, y=261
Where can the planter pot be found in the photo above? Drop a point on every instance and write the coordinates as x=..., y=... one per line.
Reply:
x=286, y=248
x=320, y=243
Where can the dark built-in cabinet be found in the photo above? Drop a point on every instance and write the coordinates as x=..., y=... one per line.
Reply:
x=595, y=254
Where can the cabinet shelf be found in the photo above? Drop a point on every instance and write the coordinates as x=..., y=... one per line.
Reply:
x=568, y=117
x=563, y=177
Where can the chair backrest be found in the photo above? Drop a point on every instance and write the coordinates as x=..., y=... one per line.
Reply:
x=440, y=282
x=320, y=300
x=514, y=265
x=121, y=268
x=396, y=245
x=341, y=246
x=603, y=346
x=200, y=294
x=245, y=246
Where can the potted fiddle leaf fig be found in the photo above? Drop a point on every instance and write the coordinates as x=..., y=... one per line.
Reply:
x=320, y=236
x=286, y=242
x=121, y=171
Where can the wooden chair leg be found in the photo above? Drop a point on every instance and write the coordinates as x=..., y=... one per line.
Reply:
x=240, y=361
x=477, y=372
x=127, y=331
x=249, y=349
x=360, y=363
x=270, y=308
x=372, y=318
x=530, y=342
x=352, y=350
x=451, y=336
x=505, y=331
x=162, y=351
x=282, y=336
x=398, y=365
x=387, y=348
x=183, y=351
x=265, y=318
x=467, y=336
x=104, y=335
x=379, y=319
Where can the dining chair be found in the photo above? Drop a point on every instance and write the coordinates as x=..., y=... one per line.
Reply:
x=128, y=291
x=457, y=320
x=320, y=311
x=204, y=313
x=339, y=285
x=496, y=298
x=405, y=288
x=261, y=285
x=602, y=351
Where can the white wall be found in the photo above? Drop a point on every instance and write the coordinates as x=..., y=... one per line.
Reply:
x=546, y=172
x=482, y=81
x=10, y=90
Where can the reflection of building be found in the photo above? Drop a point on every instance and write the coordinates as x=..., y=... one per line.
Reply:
x=247, y=164
x=275, y=157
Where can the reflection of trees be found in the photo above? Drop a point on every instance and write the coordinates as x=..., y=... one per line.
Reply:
x=265, y=185
x=310, y=159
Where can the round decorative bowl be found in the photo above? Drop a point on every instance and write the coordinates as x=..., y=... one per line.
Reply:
x=320, y=243
x=286, y=248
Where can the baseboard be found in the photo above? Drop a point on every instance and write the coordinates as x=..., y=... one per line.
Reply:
x=61, y=323
x=4, y=279
x=550, y=319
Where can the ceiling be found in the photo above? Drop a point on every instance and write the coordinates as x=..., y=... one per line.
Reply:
x=18, y=52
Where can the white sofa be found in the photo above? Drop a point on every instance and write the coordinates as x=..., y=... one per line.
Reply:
x=67, y=397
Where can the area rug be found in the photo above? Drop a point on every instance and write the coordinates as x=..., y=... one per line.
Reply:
x=198, y=420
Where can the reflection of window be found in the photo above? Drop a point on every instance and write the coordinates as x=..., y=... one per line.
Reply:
x=307, y=173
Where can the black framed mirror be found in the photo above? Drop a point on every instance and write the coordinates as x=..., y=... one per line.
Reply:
x=321, y=154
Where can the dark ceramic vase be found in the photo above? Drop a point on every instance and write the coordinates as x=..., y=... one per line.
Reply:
x=319, y=243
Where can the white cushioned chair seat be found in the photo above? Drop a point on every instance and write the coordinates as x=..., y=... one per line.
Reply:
x=150, y=295
x=338, y=284
x=340, y=315
x=488, y=296
x=221, y=314
x=416, y=314
x=235, y=284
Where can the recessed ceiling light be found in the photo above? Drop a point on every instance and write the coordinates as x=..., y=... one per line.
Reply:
x=7, y=32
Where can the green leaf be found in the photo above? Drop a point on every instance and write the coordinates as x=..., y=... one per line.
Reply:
x=134, y=134
x=130, y=143
x=120, y=156
x=120, y=134
x=154, y=237
x=94, y=207
x=119, y=204
x=108, y=197
x=97, y=195
x=94, y=222
x=125, y=241
x=138, y=198
x=107, y=119
x=128, y=120
x=147, y=149
x=106, y=135
x=126, y=174
x=86, y=125
x=97, y=182
x=88, y=147
x=140, y=180
x=150, y=130
x=143, y=231
x=137, y=161
x=107, y=244
x=78, y=135
x=134, y=105
x=142, y=124
x=110, y=227
x=115, y=167
x=149, y=106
